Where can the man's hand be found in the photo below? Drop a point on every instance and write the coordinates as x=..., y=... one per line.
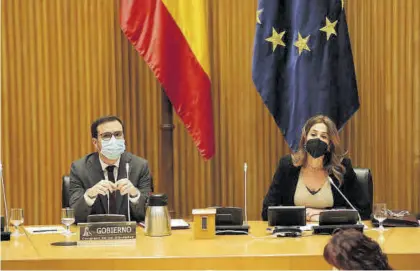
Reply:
x=103, y=187
x=126, y=187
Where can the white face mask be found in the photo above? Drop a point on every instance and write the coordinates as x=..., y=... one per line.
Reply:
x=113, y=148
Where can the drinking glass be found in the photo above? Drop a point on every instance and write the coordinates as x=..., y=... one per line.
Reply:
x=380, y=214
x=16, y=218
x=67, y=218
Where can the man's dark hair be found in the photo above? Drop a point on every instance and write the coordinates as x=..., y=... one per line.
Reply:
x=101, y=120
x=352, y=250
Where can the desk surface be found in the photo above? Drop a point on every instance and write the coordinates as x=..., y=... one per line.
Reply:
x=180, y=251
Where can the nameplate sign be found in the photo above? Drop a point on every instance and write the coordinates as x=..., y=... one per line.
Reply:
x=96, y=231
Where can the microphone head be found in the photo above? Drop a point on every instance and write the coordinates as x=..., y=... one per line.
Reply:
x=127, y=168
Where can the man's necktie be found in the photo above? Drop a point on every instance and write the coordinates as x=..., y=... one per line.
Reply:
x=113, y=195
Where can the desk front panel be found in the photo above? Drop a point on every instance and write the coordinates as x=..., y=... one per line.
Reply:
x=181, y=251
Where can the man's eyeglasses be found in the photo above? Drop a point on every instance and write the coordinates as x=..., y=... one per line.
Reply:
x=108, y=135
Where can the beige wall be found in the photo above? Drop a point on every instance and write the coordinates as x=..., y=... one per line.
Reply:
x=66, y=62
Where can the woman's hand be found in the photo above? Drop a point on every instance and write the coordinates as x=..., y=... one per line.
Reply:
x=313, y=214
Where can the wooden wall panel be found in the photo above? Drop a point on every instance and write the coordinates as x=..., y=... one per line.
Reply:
x=385, y=40
x=66, y=62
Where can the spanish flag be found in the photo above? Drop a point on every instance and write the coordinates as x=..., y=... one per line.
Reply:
x=172, y=37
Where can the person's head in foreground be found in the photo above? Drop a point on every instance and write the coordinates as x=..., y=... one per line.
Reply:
x=352, y=250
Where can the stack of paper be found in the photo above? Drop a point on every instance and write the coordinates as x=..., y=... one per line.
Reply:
x=179, y=224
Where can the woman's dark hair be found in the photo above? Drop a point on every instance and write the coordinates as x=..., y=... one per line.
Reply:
x=101, y=120
x=352, y=250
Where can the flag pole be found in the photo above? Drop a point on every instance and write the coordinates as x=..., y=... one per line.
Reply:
x=166, y=154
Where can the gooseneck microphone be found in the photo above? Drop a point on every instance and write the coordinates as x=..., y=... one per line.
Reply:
x=6, y=224
x=245, y=181
x=346, y=199
x=107, y=192
x=127, y=170
x=5, y=235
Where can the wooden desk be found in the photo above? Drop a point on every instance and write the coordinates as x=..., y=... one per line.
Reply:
x=181, y=251
x=17, y=249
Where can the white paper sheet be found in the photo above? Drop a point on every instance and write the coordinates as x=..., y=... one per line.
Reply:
x=175, y=224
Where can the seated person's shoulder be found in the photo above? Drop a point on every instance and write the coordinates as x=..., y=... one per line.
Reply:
x=285, y=164
x=83, y=160
x=137, y=159
x=346, y=162
x=286, y=161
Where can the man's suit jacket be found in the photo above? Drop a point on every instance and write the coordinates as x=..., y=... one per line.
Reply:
x=87, y=171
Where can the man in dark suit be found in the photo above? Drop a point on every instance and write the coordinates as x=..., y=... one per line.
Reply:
x=100, y=183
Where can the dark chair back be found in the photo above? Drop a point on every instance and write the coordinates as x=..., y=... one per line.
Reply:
x=364, y=177
x=65, y=192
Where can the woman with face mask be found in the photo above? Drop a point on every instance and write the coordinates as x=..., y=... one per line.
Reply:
x=303, y=178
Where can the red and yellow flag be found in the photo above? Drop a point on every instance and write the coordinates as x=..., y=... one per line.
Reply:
x=172, y=37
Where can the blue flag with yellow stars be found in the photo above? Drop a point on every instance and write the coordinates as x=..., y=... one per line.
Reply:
x=303, y=64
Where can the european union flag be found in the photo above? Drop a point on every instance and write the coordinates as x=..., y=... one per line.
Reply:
x=303, y=64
